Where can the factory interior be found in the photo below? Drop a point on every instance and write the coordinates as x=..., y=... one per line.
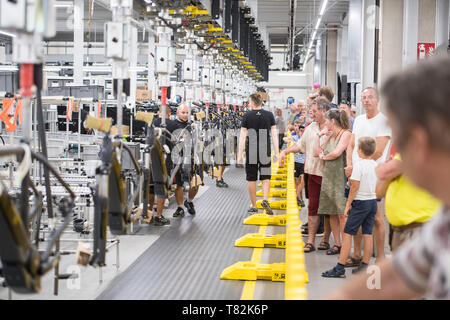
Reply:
x=122, y=171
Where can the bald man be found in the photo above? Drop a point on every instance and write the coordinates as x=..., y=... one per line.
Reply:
x=298, y=113
x=181, y=123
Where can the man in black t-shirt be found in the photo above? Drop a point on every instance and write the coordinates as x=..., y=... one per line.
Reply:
x=258, y=126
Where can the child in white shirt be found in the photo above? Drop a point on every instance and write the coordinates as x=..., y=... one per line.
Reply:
x=361, y=208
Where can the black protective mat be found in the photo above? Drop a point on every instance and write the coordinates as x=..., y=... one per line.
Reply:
x=188, y=258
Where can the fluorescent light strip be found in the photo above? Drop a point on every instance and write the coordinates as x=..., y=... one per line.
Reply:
x=8, y=34
x=318, y=23
x=324, y=6
x=319, y=20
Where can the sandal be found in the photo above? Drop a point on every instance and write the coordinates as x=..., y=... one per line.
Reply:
x=352, y=262
x=334, y=250
x=323, y=246
x=310, y=248
x=334, y=273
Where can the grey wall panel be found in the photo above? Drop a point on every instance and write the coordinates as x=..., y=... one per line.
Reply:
x=354, y=41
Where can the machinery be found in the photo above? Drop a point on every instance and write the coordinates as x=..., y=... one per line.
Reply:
x=220, y=56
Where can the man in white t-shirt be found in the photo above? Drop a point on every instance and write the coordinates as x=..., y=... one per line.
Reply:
x=372, y=124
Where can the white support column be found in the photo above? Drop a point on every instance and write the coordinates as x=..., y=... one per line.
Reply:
x=151, y=54
x=427, y=21
x=355, y=41
x=331, y=71
x=368, y=43
x=342, y=49
x=3, y=55
x=133, y=65
x=323, y=58
x=391, y=39
x=78, y=41
x=410, y=32
x=442, y=24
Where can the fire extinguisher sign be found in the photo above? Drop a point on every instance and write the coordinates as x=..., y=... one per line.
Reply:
x=425, y=50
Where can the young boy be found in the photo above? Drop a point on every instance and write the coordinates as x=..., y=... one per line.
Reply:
x=299, y=159
x=361, y=208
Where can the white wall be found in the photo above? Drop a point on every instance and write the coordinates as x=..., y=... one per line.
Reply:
x=283, y=84
x=278, y=61
x=2, y=55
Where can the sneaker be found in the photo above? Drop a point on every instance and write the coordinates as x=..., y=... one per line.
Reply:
x=252, y=211
x=363, y=266
x=189, y=206
x=160, y=221
x=334, y=273
x=302, y=204
x=179, y=212
x=221, y=184
x=265, y=204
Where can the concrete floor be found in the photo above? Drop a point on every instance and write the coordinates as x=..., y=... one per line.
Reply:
x=91, y=281
x=318, y=261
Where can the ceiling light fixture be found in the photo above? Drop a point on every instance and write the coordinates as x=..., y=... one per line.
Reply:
x=8, y=34
x=323, y=8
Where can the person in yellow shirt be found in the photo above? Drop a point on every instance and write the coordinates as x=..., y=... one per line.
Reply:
x=407, y=206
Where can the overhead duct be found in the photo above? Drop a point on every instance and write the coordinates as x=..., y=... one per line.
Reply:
x=292, y=9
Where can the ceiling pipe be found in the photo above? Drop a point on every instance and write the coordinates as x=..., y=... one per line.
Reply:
x=292, y=9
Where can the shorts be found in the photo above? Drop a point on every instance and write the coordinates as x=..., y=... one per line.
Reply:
x=158, y=196
x=299, y=169
x=178, y=181
x=314, y=185
x=264, y=170
x=362, y=215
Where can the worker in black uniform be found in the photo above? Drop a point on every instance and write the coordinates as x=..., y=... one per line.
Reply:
x=181, y=123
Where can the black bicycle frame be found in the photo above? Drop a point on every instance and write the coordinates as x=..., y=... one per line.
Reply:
x=23, y=265
x=112, y=205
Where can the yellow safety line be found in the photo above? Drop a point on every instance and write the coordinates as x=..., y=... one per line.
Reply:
x=249, y=286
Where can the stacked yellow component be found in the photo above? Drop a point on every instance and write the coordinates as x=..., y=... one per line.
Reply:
x=293, y=271
x=205, y=24
x=296, y=275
